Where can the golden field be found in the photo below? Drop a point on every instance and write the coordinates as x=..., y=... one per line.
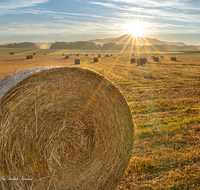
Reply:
x=164, y=98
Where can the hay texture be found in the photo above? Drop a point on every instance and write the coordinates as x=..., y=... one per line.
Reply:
x=63, y=128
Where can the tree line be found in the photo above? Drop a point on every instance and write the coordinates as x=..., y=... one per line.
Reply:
x=87, y=45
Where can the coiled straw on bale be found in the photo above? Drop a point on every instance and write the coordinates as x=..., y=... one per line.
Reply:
x=63, y=128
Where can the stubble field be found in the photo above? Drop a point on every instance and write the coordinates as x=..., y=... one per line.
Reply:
x=164, y=98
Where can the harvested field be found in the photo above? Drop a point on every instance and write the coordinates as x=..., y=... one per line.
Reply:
x=164, y=99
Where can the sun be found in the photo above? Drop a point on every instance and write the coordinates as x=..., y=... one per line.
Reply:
x=135, y=28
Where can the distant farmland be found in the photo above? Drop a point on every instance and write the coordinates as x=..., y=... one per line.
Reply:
x=26, y=51
x=164, y=98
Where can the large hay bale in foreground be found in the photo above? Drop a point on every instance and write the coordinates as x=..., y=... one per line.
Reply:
x=63, y=128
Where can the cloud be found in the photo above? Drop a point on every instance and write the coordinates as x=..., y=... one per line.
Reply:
x=176, y=10
x=14, y=4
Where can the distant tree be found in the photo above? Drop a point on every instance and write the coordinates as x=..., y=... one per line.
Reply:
x=21, y=45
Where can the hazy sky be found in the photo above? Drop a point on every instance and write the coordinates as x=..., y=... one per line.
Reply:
x=72, y=20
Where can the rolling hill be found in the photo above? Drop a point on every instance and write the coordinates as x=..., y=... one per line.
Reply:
x=127, y=38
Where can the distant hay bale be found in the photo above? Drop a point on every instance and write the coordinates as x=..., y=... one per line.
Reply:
x=70, y=54
x=31, y=56
x=86, y=54
x=161, y=56
x=132, y=54
x=107, y=55
x=67, y=57
x=34, y=53
x=111, y=54
x=173, y=58
x=93, y=54
x=99, y=55
x=77, y=61
x=141, y=61
x=28, y=57
x=63, y=128
x=63, y=54
x=132, y=60
x=156, y=58
x=95, y=59
x=77, y=54
x=12, y=53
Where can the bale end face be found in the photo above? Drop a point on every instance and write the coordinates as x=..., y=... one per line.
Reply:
x=70, y=137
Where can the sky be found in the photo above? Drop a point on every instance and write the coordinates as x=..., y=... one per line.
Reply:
x=81, y=20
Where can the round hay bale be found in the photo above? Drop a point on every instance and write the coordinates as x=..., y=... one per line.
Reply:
x=86, y=54
x=161, y=56
x=28, y=57
x=111, y=55
x=31, y=56
x=141, y=61
x=63, y=54
x=77, y=54
x=173, y=58
x=95, y=59
x=132, y=60
x=12, y=53
x=156, y=58
x=63, y=128
x=67, y=56
x=34, y=53
x=107, y=55
x=77, y=61
x=99, y=55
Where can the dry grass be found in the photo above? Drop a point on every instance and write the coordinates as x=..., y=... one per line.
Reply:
x=164, y=98
x=64, y=128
